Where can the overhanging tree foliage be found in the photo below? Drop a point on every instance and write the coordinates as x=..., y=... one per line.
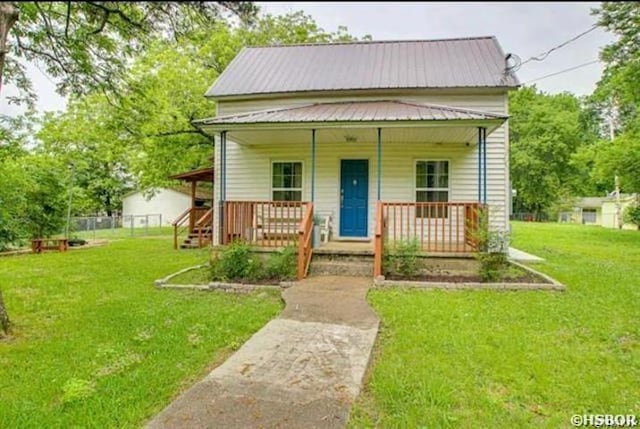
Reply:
x=89, y=46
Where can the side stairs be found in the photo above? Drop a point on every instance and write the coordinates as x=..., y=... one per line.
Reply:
x=193, y=241
x=358, y=263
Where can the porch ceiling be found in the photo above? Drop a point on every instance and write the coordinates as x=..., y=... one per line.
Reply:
x=355, y=122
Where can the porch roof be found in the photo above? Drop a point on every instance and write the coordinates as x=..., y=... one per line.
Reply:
x=200, y=175
x=329, y=114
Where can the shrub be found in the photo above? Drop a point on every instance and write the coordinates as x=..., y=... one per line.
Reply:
x=283, y=265
x=632, y=214
x=492, y=266
x=402, y=258
x=236, y=262
x=492, y=250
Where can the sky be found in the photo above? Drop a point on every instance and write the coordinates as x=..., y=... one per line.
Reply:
x=525, y=29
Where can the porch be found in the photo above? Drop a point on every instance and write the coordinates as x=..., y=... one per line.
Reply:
x=437, y=228
x=384, y=171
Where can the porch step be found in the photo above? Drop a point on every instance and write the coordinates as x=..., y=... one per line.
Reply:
x=341, y=263
x=335, y=268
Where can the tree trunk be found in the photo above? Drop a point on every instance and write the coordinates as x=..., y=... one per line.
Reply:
x=8, y=17
x=4, y=317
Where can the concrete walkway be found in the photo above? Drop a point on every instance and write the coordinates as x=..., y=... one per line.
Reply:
x=301, y=370
x=520, y=256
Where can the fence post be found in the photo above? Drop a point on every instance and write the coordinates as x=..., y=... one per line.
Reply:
x=146, y=224
x=131, y=224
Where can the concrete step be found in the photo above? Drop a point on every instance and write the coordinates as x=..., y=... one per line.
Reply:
x=321, y=256
x=341, y=268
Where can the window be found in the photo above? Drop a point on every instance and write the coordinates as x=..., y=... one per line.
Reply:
x=286, y=181
x=432, y=185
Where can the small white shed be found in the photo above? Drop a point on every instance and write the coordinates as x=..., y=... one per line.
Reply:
x=161, y=209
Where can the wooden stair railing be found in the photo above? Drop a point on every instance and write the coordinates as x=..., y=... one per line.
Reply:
x=179, y=225
x=305, y=249
x=205, y=228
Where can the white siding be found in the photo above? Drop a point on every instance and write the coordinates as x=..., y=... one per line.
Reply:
x=249, y=167
x=166, y=202
x=609, y=214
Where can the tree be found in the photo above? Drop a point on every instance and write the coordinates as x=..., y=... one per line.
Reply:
x=545, y=131
x=86, y=138
x=88, y=46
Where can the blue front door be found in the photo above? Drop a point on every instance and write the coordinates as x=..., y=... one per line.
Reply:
x=354, y=197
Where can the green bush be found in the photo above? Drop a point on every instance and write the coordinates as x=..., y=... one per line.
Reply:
x=283, y=265
x=632, y=215
x=493, y=266
x=402, y=258
x=237, y=262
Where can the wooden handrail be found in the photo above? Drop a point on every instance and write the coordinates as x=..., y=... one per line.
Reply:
x=305, y=250
x=204, y=221
x=378, y=244
x=180, y=220
x=182, y=216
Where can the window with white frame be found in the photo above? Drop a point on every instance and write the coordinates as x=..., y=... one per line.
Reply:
x=286, y=181
x=432, y=186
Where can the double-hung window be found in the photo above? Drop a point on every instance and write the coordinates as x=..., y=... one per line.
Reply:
x=432, y=186
x=286, y=181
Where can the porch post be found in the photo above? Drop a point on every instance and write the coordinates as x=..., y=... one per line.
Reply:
x=479, y=164
x=223, y=174
x=192, y=215
x=193, y=194
x=379, y=160
x=484, y=165
x=313, y=164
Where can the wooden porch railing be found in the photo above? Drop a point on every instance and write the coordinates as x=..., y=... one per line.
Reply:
x=305, y=250
x=450, y=227
x=263, y=223
x=188, y=221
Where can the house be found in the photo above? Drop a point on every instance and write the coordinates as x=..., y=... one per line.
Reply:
x=161, y=208
x=585, y=210
x=611, y=214
x=392, y=140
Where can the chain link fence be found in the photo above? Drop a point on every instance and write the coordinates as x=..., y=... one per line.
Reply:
x=94, y=227
x=530, y=217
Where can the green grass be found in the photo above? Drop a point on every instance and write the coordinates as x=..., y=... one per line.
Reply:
x=96, y=345
x=481, y=359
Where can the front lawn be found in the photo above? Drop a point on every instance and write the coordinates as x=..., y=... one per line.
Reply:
x=480, y=359
x=96, y=345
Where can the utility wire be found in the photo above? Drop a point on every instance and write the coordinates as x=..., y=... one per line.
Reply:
x=562, y=71
x=543, y=56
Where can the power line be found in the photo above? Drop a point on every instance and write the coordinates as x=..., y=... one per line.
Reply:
x=543, y=56
x=562, y=71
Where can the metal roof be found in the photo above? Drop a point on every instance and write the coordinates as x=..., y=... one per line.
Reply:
x=448, y=63
x=358, y=111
